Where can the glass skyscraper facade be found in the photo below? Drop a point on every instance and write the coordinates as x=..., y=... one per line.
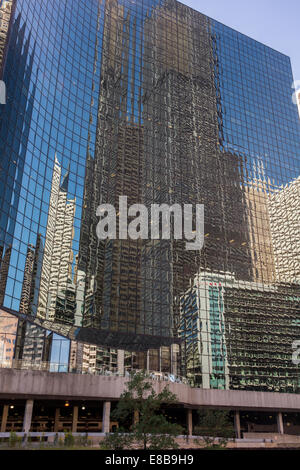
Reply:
x=151, y=100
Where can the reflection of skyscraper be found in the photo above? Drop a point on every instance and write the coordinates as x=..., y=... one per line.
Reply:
x=56, y=276
x=32, y=275
x=31, y=343
x=5, y=16
x=112, y=297
x=231, y=337
x=261, y=323
x=26, y=290
x=31, y=339
x=118, y=294
x=284, y=208
x=16, y=114
x=8, y=330
x=203, y=330
x=183, y=162
x=87, y=358
x=262, y=256
x=4, y=270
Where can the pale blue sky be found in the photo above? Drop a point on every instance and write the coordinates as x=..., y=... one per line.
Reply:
x=275, y=23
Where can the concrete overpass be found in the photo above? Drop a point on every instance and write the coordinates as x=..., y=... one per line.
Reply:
x=38, y=385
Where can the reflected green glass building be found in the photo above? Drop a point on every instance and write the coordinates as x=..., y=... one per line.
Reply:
x=151, y=100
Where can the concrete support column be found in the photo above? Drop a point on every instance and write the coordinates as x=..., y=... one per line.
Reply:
x=189, y=418
x=106, y=417
x=27, y=416
x=56, y=419
x=4, y=418
x=237, y=424
x=280, y=423
x=74, y=418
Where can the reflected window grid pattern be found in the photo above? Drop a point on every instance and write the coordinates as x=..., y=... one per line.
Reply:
x=152, y=100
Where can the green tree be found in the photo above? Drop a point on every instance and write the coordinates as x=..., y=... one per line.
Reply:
x=13, y=439
x=214, y=424
x=69, y=439
x=151, y=430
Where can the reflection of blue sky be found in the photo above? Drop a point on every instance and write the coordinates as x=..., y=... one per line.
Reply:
x=272, y=22
x=60, y=122
x=65, y=78
x=59, y=358
x=260, y=120
x=61, y=115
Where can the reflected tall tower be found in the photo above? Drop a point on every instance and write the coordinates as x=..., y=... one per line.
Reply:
x=16, y=114
x=111, y=269
x=56, y=275
x=6, y=11
x=257, y=194
x=184, y=162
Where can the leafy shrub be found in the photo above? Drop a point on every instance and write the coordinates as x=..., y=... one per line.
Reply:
x=69, y=439
x=13, y=439
x=116, y=441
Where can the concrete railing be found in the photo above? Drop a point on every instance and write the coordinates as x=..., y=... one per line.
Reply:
x=46, y=366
